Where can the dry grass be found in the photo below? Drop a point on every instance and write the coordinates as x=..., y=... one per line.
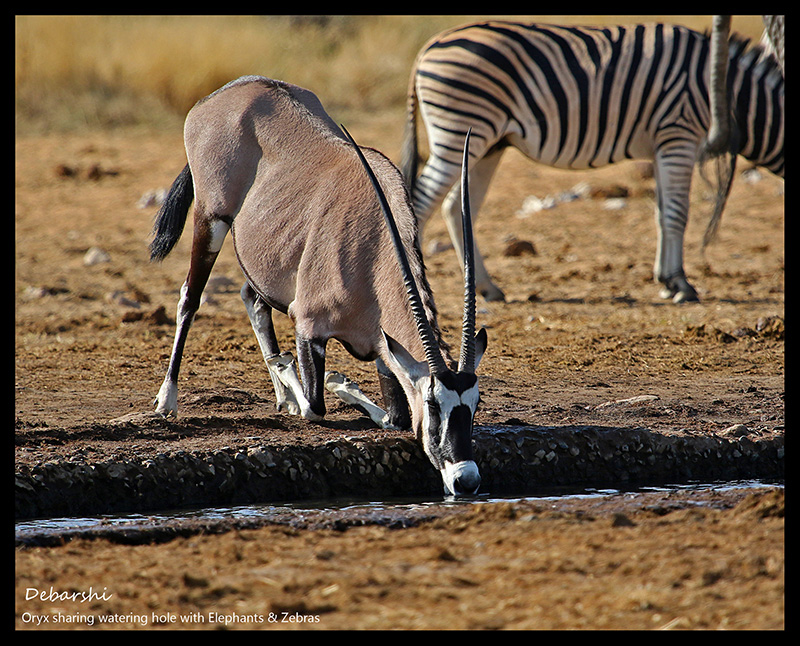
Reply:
x=110, y=71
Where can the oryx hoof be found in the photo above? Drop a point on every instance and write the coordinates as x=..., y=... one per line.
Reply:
x=281, y=361
x=287, y=406
x=386, y=424
x=166, y=402
x=333, y=379
x=349, y=392
x=311, y=416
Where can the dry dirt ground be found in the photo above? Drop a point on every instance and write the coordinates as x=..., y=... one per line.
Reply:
x=583, y=325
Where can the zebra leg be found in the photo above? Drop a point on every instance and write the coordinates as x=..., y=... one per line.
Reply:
x=673, y=183
x=479, y=178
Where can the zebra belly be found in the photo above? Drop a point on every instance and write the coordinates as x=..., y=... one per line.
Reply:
x=588, y=156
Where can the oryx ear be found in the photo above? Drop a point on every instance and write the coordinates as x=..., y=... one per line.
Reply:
x=481, y=341
x=401, y=360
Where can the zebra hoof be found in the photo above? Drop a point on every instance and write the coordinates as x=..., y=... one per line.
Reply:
x=679, y=290
x=686, y=297
x=679, y=296
x=493, y=294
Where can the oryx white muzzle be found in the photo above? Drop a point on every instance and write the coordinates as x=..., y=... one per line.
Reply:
x=461, y=478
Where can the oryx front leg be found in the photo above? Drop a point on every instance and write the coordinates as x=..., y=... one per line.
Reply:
x=349, y=392
x=394, y=397
x=261, y=320
x=288, y=388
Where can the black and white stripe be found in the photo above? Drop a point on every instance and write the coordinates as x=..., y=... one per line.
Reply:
x=581, y=98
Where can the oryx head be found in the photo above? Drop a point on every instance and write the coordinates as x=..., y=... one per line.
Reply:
x=448, y=398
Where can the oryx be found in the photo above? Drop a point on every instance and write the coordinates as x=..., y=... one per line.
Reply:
x=308, y=212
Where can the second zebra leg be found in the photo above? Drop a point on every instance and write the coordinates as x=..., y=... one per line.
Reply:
x=673, y=185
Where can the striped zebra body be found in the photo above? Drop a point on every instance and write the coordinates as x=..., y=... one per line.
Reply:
x=582, y=98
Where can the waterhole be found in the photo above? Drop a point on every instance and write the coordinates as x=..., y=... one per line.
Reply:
x=343, y=513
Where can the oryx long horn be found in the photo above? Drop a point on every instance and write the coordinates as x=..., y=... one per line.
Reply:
x=432, y=353
x=466, y=361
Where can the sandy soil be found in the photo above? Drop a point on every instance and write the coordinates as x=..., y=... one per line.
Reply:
x=583, y=325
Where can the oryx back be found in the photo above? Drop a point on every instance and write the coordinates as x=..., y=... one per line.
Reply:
x=266, y=157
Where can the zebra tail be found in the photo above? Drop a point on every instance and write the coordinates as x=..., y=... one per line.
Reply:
x=723, y=166
x=409, y=154
x=171, y=217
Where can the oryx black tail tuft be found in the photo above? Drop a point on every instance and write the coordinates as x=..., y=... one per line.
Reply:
x=171, y=217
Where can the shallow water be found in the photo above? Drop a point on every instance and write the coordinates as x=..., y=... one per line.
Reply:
x=27, y=530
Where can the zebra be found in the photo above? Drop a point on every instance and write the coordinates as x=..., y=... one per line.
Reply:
x=581, y=98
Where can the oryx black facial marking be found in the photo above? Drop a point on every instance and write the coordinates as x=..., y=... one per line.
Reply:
x=450, y=404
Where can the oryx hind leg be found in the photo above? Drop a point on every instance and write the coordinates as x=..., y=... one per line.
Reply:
x=209, y=234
